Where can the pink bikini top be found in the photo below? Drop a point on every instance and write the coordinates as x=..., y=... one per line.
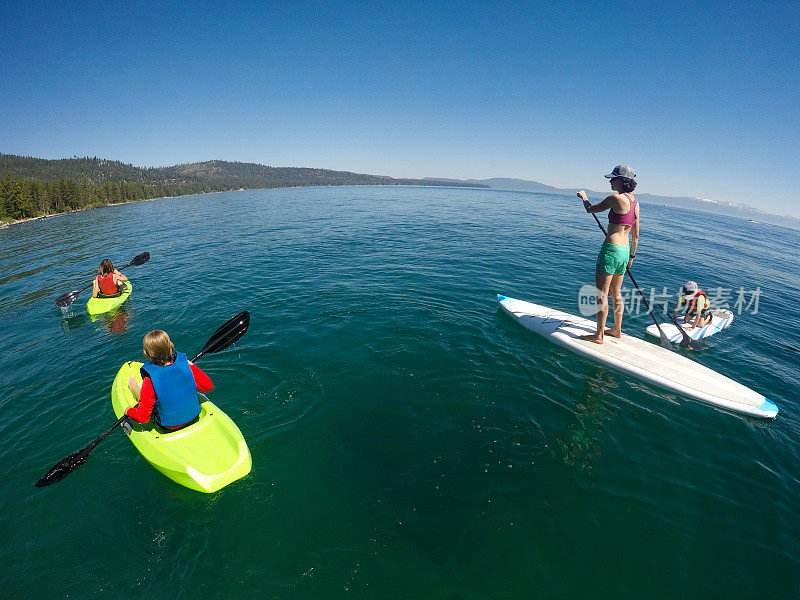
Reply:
x=629, y=218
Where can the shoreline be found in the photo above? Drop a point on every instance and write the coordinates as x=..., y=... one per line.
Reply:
x=7, y=224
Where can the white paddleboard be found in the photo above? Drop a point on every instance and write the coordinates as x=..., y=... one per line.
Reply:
x=720, y=319
x=640, y=359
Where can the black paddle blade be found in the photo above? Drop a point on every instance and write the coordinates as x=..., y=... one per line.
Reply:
x=67, y=465
x=686, y=342
x=64, y=467
x=67, y=299
x=226, y=335
x=140, y=259
x=665, y=343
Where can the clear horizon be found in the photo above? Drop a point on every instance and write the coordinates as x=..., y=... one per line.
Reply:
x=700, y=100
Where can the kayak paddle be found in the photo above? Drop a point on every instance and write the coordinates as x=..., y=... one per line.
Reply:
x=665, y=343
x=223, y=337
x=68, y=298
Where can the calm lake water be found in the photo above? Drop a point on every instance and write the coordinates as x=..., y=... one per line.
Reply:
x=408, y=439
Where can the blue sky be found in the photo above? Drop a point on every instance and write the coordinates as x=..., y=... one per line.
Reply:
x=700, y=98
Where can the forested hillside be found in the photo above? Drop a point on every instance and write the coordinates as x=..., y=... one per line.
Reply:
x=33, y=186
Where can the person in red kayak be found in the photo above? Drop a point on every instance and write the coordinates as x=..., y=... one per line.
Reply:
x=108, y=280
x=616, y=253
x=170, y=383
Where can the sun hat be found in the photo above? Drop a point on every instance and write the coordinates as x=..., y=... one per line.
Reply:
x=621, y=171
x=689, y=289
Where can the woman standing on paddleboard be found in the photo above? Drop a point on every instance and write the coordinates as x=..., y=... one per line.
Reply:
x=616, y=254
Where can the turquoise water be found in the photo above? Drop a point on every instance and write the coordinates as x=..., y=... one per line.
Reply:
x=408, y=439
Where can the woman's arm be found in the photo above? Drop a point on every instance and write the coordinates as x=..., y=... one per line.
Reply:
x=119, y=276
x=635, y=234
x=606, y=204
x=95, y=288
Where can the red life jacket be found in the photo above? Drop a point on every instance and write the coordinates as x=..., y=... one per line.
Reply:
x=691, y=306
x=107, y=285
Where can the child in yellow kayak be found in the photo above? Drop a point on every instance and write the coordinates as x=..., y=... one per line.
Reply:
x=170, y=383
x=108, y=280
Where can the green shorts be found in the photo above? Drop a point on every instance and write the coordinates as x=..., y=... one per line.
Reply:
x=613, y=259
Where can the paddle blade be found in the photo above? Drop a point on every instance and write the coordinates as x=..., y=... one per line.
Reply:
x=140, y=259
x=665, y=343
x=64, y=467
x=67, y=299
x=688, y=342
x=67, y=465
x=226, y=335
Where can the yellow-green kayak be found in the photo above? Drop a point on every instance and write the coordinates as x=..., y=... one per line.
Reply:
x=96, y=306
x=205, y=456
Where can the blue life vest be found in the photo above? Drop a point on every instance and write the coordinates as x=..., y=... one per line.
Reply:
x=176, y=391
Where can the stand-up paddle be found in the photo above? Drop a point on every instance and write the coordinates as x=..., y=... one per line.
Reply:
x=665, y=343
x=223, y=337
x=69, y=297
x=687, y=340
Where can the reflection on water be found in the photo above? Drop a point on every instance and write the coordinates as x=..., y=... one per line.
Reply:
x=115, y=321
x=580, y=443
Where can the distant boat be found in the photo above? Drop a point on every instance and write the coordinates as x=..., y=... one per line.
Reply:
x=753, y=221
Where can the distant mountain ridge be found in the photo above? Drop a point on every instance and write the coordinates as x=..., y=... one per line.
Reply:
x=33, y=187
x=213, y=175
x=743, y=211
